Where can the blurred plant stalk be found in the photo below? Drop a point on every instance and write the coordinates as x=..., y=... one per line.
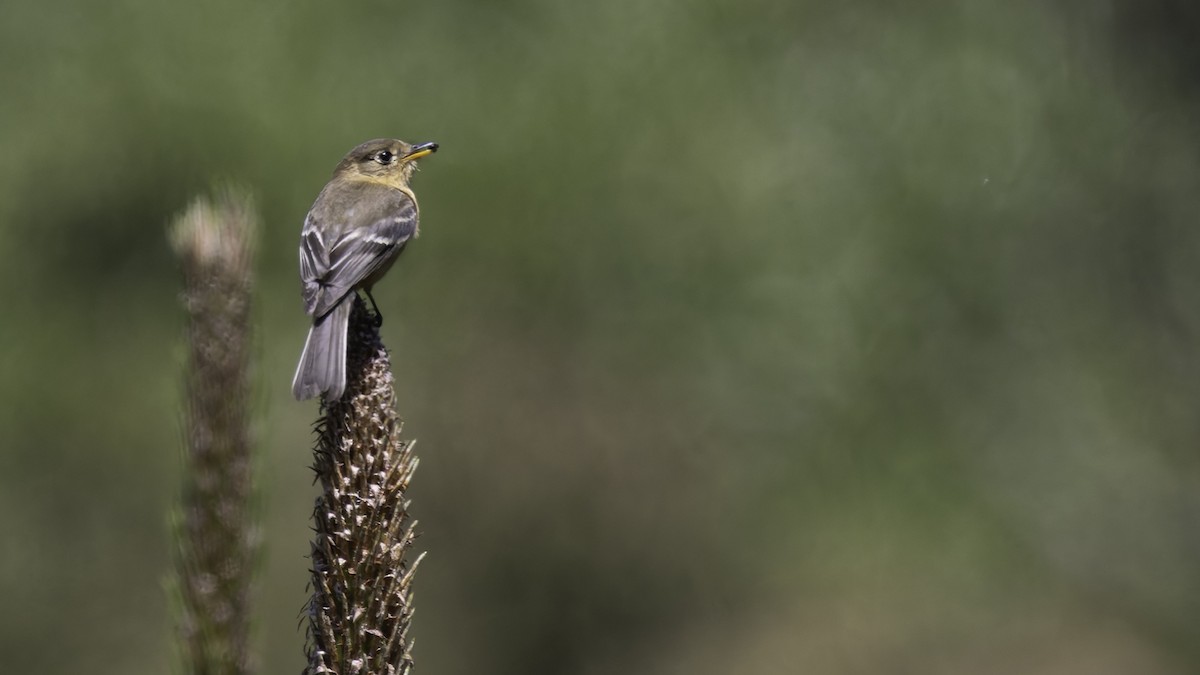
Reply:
x=216, y=534
x=362, y=603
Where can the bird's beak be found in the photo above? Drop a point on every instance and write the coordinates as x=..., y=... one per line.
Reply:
x=421, y=150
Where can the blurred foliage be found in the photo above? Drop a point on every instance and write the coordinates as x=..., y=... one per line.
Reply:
x=762, y=336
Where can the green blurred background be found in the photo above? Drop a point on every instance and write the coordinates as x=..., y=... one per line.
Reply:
x=744, y=336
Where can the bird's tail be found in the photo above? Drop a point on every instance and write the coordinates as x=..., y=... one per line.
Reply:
x=322, y=366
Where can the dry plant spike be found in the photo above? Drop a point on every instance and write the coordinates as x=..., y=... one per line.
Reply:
x=361, y=608
x=216, y=536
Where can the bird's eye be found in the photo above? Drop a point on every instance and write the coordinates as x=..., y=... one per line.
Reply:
x=384, y=157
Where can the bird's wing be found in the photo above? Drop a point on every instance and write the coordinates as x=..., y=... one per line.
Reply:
x=380, y=223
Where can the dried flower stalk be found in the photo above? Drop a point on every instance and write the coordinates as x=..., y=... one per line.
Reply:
x=361, y=608
x=215, y=531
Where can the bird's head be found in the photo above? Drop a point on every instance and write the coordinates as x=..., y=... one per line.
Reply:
x=385, y=160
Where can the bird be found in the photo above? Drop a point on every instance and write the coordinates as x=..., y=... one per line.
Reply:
x=359, y=224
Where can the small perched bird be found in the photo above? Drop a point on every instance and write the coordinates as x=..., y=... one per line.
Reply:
x=361, y=221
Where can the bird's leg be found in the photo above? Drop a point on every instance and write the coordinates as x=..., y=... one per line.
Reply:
x=375, y=307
